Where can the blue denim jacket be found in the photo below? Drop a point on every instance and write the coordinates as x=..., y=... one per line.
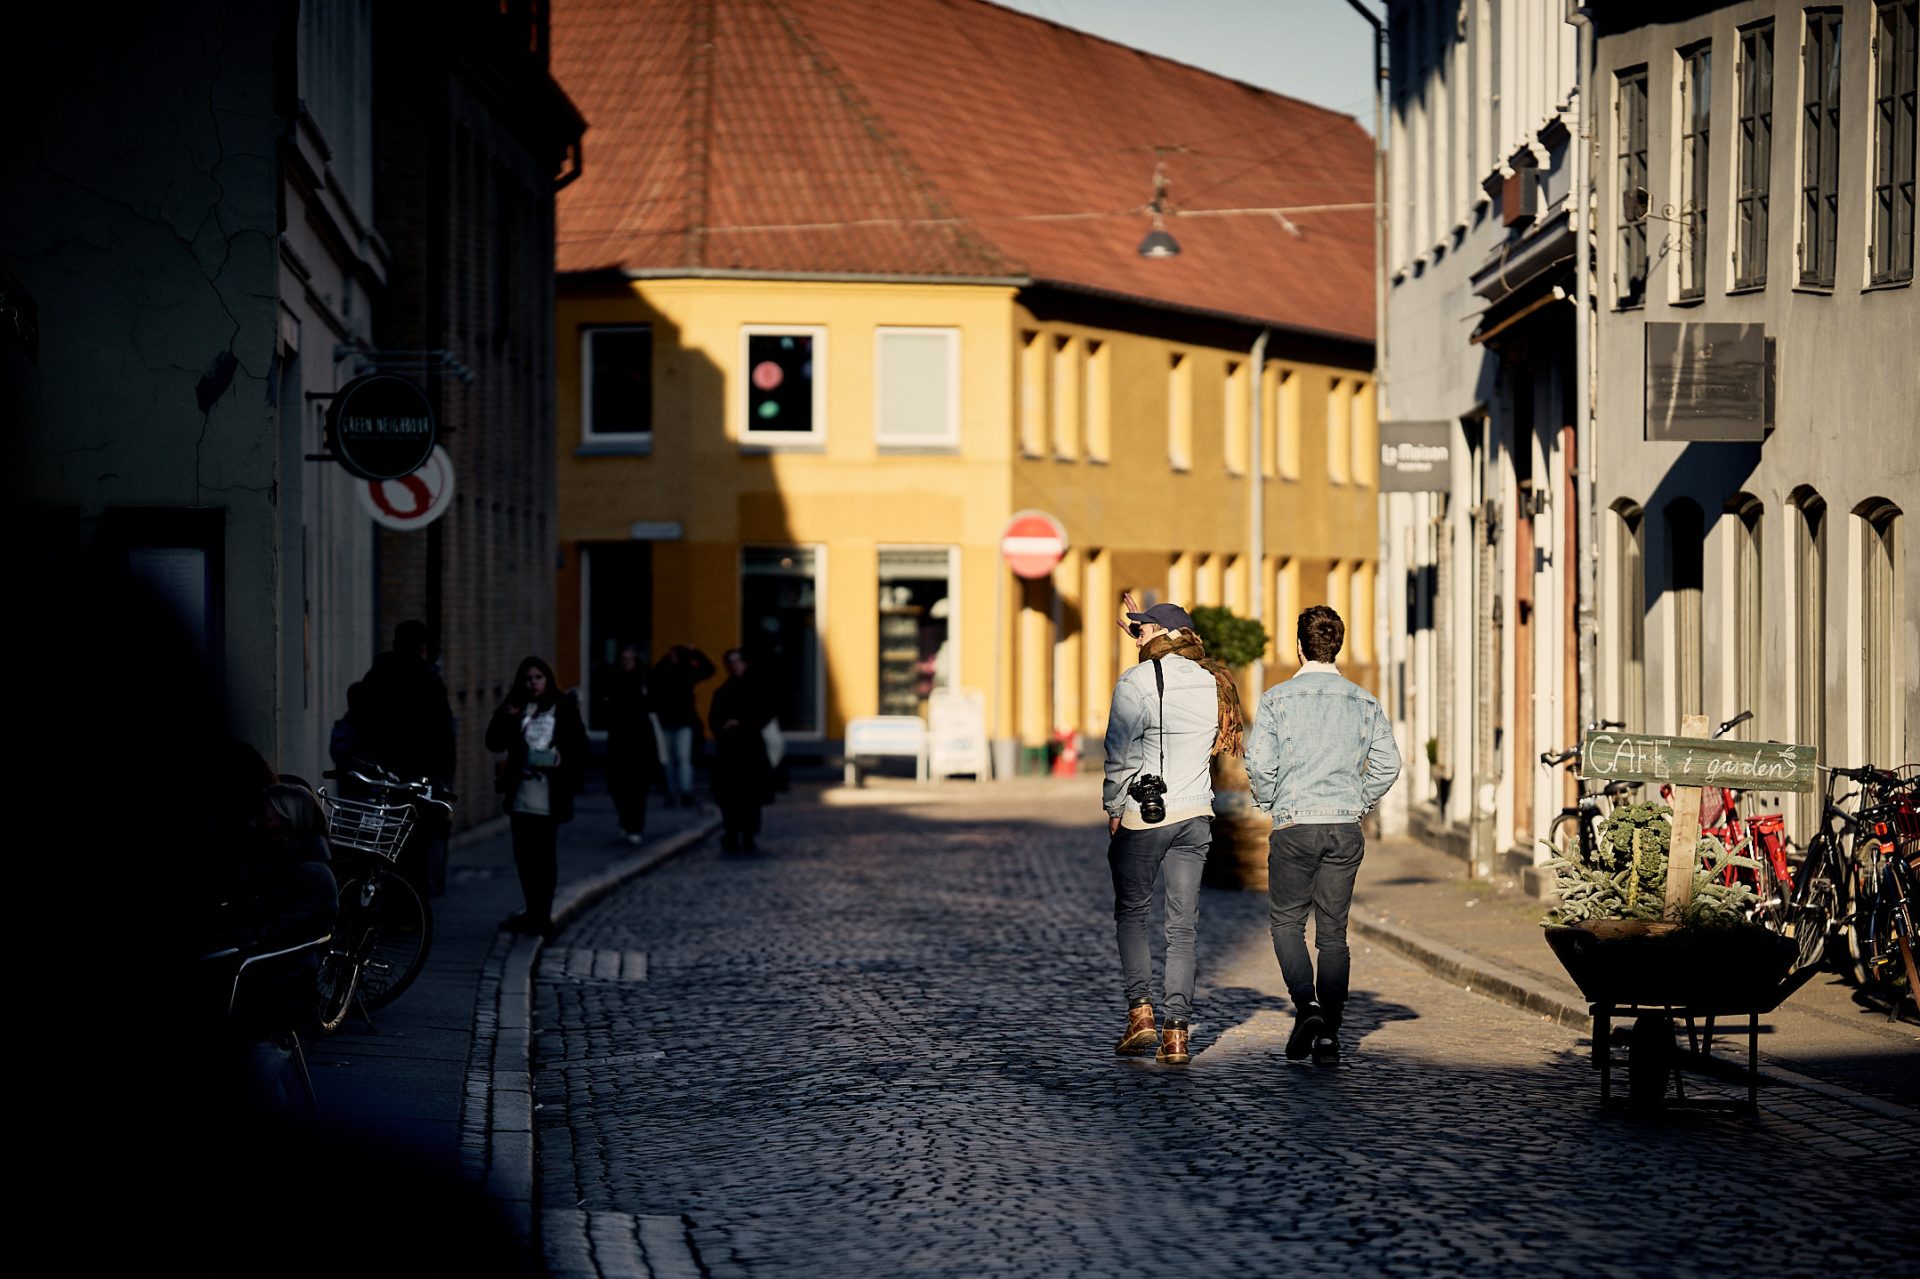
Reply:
x=1322, y=751
x=1133, y=735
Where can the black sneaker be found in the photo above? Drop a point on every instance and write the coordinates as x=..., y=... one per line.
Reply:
x=1326, y=1051
x=1307, y=1023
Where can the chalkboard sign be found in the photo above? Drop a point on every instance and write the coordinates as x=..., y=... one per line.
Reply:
x=1698, y=761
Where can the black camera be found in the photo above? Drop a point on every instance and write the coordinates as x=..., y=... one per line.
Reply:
x=1149, y=792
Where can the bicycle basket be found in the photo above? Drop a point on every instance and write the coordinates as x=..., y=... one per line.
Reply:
x=379, y=829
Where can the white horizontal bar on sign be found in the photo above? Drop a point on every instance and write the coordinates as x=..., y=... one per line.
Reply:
x=1032, y=545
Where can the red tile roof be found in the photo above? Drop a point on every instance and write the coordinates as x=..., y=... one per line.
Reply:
x=951, y=138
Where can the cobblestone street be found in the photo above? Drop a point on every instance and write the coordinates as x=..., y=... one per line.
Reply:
x=882, y=1046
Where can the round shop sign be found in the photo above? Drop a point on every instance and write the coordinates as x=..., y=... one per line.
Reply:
x=381, y=427
x=412, y=501
x=1033, y=544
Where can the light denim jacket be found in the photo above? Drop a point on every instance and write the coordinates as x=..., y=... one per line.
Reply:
x=1133, y=735
x=1321, y=752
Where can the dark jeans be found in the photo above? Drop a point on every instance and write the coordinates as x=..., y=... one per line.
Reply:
x=629, y=781
x=536, y=856
x=1135, y=857
x=1313, y=866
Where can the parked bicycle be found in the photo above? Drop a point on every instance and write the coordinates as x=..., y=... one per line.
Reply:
x=385, y=928
x=1761, y=837
x=1885, y=880
x=1581, y=821
x=1823, y=892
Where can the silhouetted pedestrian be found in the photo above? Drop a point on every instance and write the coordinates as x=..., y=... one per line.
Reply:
x=742, y=779
x=632, y=752
x=674, y=677
x=405, y=725
x=539, y=728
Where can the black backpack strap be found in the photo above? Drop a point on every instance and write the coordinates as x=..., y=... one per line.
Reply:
x=1160, y=690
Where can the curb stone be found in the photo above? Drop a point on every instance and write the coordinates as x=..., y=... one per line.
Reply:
x=497, y=1144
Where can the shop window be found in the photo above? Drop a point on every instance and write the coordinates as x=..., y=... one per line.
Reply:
x=780, y=631
x=916, y=627
x=785, y=390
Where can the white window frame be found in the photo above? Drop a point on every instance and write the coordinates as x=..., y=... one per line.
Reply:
x=819, y=551
x=950, y=440
x=587, y=434
x=775, y=441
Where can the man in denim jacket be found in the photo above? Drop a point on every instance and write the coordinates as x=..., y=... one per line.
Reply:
x=1322, y=755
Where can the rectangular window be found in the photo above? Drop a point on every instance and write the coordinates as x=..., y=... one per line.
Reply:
x=616, y=376
x=1696, y=102
x=1287, y=411
x=1820, y=147
x=780, y=631
x=916, y=626
x=917, y=387
x=1339, y=589
x=1754, y=182
x=1066, y=398
x=1236, y=417
x=1180, y=413
x=1365, y=434
x=1283, y=617
x=1033, y=393
x=1099, y=399
x=1630, y=168
x=1339, y=430
x=785, y=399
x=1894, y=54
x=1359, y=619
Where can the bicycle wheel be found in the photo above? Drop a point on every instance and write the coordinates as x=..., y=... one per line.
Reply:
x=400, y=933
x=338, y=975
x=1816, y=908
x=1564, y=835
x=1863, y=925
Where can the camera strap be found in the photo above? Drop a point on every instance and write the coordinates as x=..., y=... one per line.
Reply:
x=1160, y=691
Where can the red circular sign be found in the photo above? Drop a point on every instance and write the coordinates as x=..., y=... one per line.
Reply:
x=1033, y=543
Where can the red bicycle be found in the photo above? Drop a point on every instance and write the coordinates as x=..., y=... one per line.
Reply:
x=1760, y=836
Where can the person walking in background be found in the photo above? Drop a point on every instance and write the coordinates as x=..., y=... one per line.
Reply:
x=632, y=755
x=539, y=728
x=674, y=677
x=742, y=778
x=1171, y=713
x=1322, y=756
x=404, y=723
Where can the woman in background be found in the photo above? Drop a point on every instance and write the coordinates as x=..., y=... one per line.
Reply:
x=539, y=728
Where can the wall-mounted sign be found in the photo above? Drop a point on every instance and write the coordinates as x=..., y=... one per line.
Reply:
x=1033, y=543
x=1709, y=382
x=1414, y=457
x=412, y=501
x=381, y=427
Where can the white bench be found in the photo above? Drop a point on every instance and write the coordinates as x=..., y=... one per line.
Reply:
x=883, y=736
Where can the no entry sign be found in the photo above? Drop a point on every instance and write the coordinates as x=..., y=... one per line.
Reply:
x=412, y=501
x=1033, y=544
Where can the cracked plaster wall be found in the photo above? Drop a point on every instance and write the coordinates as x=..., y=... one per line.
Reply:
x=141, y=214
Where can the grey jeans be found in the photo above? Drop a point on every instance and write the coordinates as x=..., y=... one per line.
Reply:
x=1313, y=866
x=1136, y=857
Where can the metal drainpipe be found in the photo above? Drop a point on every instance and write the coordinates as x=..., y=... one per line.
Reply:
x=1257, y=501
x=1583, y=339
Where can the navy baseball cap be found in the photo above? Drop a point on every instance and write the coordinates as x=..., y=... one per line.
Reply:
x=1170, y=616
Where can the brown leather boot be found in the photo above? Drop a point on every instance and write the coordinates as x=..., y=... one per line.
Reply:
x=1173, y=1046
x=1141, y=1031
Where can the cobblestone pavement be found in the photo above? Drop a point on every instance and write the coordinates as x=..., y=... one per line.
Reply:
x=882, y=1046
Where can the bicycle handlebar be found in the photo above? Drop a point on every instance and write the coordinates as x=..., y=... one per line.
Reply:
x=1553, y=758
x=422, y=790
x=1867, y=773
x=1733, y=723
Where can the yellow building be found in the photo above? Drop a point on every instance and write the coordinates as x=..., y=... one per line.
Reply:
x=797, y=413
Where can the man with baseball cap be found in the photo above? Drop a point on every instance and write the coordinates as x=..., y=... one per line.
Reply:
x=1171, y=713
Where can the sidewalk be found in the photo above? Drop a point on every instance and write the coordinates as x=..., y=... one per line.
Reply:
x=435, y=1072
x=1485, y=934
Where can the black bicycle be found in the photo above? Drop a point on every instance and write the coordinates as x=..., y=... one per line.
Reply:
x=1885, y=878
x=1581, y=821
x=385, y=927
x=1823, y=883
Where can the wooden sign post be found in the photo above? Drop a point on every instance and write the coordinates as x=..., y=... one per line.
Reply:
x=1689, y=762
x=1686, y=831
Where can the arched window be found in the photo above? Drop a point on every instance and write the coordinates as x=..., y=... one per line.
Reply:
x=1879, y=610
x=1743, y=611
x=1686, y=578
x=1810, y=637
x=1630, y=613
